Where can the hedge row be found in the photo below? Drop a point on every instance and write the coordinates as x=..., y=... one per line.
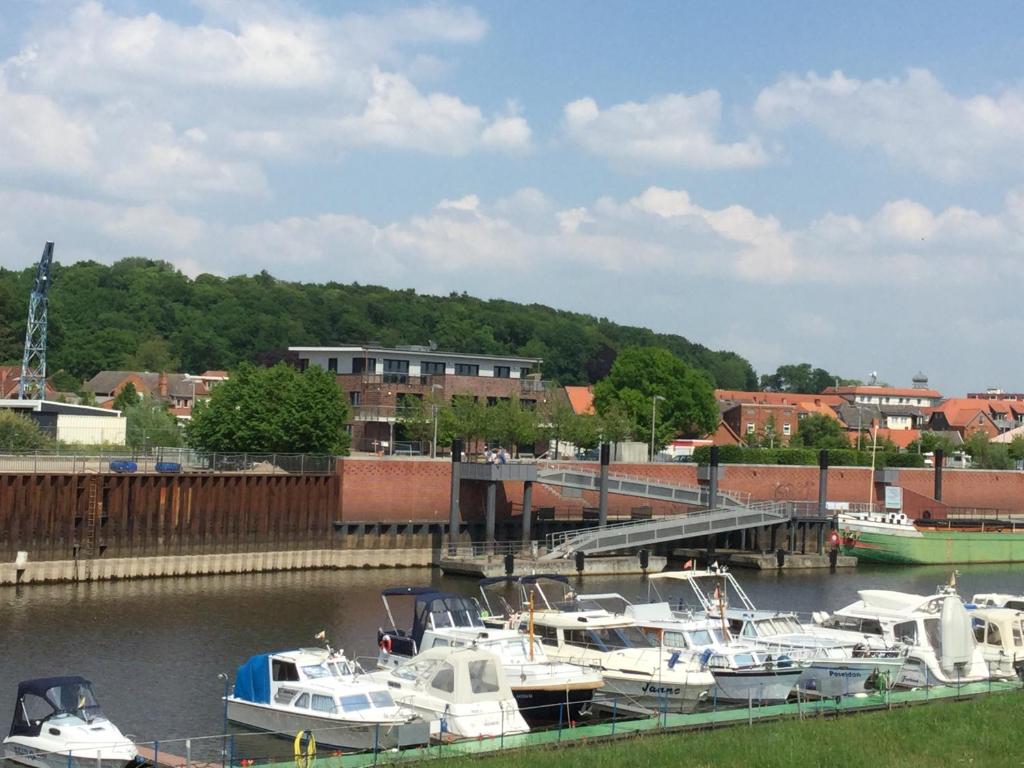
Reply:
x=837, y=457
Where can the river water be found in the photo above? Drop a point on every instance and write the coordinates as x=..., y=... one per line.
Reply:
x=153, y=648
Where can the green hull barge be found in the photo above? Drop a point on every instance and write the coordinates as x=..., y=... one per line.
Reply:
x=896, y=539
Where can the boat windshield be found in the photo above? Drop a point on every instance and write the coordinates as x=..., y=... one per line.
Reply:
x=316, y=671
x=702, y=637
x=608, y=638
x=341, y=669
x=65, y=701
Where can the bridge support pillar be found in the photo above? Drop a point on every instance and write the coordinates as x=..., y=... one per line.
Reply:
x=602, y=499
x=453, y=504
x=492, y=501
x=527, y=510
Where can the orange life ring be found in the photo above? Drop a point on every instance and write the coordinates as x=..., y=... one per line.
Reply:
x=385, y=643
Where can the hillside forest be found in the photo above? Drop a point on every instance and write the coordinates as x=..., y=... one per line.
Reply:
x=139, y=314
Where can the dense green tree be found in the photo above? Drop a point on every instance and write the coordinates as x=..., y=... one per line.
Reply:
x=126, y=398
x=63, y=381
x=929, y=442
x=986, y=454
x=150, y=424
x=685, y=397
x=272, y=410
x=817, y=430
x=512, y=425
x=1016, y=449
x=19, y=434
x=801, y=377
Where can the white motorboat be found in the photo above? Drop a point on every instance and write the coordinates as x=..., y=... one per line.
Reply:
x=835, y=662
x=743, y=672
x=638, y=673
x=547, y=691
x=59, y=724
x=998, y=600
x=319, y=690
x=936, y=629
x=999, y=633
x=461, y=691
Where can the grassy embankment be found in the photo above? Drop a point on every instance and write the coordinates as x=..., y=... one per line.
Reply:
x=984, y=732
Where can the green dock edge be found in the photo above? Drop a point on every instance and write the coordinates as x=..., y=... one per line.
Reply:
x=668, y=723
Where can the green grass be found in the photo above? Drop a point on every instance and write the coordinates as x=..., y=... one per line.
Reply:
x=985, y=732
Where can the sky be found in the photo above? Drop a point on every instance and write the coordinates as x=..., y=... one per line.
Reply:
x=833, y=183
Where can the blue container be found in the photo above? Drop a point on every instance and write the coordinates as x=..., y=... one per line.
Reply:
x=123, y=467
x=169, y=467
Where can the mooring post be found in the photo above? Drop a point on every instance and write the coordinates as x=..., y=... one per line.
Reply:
x=453, y=508
x=527, y=510
x=822, y=483
x=713, y=478
x=602, y=502
x=492, y=498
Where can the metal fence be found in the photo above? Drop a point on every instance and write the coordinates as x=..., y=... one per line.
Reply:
x=169, y=461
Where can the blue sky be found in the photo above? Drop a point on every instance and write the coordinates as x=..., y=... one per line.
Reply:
x=833, y=183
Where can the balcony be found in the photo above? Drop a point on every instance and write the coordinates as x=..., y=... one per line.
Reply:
x=415, y=383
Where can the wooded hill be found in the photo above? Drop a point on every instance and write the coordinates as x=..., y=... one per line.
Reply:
x=145, y=315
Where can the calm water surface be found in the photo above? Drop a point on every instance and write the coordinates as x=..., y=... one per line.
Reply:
x=153, y=648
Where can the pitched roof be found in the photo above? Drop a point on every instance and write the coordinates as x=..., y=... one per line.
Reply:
x=776, y=398
x=1009, y=436
x=178, y=384
x=10, y=379
x=961, y=411
x=869, y=389
x=581, y=399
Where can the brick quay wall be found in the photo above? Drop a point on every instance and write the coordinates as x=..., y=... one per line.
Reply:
x=371, y=512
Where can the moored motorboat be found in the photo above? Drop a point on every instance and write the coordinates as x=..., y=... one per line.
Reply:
x=462, y=692
x=835, y=662
x=936, y=630
x=58, y=723
x=547, y=691
x=319, y=690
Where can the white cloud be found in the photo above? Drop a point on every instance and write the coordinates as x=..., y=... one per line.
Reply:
x=914, y=120
x=675, y=129
x=143, y=107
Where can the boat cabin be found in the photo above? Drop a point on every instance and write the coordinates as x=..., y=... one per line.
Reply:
x=999, y=633
x=310, y=679
x=431, y=610
x=51, y=702
x=997, y=600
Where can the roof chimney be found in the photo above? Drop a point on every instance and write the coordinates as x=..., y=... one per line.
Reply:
x=162, y=385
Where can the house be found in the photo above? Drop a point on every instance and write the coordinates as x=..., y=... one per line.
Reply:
x=379, y=381
x=747, y=413
x=179, y=390
x=10, y=379
x=919, y=395
x=965, y=416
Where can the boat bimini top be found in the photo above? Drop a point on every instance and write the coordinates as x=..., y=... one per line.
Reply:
x=47, y=698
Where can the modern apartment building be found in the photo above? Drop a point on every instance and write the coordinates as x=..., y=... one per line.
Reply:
x=378, y=381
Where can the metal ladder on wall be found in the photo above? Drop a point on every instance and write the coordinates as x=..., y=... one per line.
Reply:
x=93, y=512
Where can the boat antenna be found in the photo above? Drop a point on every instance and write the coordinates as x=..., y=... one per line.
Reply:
x=531, y=626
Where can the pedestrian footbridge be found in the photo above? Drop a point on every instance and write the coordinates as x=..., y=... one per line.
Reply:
x=644, y=487
x=650, y=532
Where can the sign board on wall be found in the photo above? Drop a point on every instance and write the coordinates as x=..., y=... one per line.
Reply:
x=894, y=498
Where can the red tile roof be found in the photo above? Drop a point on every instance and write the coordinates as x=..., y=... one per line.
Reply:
x=581, y=399
x=776, y=398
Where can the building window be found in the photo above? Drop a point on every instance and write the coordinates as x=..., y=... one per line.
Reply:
x=332, y=364
x=524, y=372
x=396, y=371
x=786, y=429
x=364, y=365
x=303, y=364
x=432, y=368
x=355, y=398
x=465, y=369
x=502, y=372
x=750, y=427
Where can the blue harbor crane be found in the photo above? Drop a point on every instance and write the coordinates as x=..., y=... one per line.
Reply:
x=33, y=365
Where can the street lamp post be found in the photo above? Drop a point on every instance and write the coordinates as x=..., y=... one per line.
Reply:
x=654, y=420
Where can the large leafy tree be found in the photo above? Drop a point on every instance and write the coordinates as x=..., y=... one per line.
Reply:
x=817, y=430
x=126, y=398
x=685, y=397
x=272, y=410
x=801, y=377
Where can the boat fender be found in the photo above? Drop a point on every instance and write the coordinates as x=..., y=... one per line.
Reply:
x=705, y=657
x=385, y=643
x=784, y=661
x=673, y=659
x=305, y=749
